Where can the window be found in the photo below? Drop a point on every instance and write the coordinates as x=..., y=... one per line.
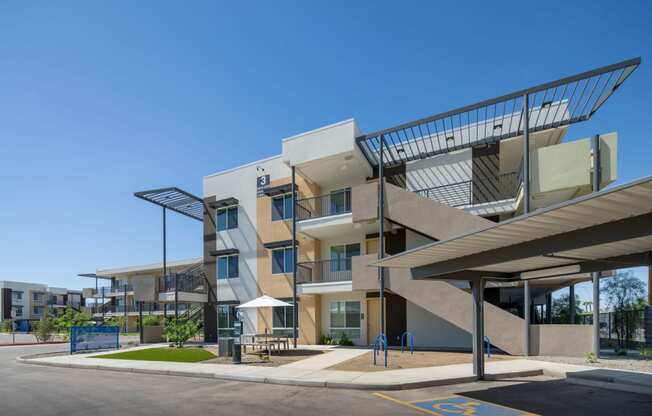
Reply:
x=340, y=201
x=282, y=320
x=227, y=267
x=282, y=207
x=227, y=218
x=341, y=256
x=37, y=310
x=18, y=311
x=16, y=296
x=226, y=316
x=345, y=319
x=282, y=260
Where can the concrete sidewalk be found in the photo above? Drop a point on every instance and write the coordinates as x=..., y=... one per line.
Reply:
x=310, y=373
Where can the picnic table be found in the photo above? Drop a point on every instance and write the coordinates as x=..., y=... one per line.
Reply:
x=268, y=341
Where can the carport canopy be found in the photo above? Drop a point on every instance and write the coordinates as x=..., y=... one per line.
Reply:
x=605, y=230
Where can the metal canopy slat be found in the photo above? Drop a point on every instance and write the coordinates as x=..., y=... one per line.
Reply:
x=491, y=116
x=176, y=200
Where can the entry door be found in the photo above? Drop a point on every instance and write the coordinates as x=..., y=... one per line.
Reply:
x=373, y=319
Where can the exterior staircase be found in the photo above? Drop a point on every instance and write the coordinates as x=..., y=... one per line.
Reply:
x=440, y=298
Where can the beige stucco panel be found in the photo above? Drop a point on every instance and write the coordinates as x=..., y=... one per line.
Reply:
x=562, y=340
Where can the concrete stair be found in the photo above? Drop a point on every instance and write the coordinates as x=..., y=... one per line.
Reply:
x=438, y=297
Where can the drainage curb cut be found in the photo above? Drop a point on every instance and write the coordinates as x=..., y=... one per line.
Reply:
x=287, y=381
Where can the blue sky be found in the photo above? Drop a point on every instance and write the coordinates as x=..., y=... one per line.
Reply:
x=101, y=99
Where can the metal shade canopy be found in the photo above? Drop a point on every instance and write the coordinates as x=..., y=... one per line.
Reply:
x=176, y=200
x=551, y=105
x=600, y=231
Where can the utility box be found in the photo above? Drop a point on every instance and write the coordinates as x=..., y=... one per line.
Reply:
x=224, y=347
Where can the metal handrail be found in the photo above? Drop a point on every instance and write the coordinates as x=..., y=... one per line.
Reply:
x=333, y=203
x=325, y=271
x=478, y=190
x=377, y=344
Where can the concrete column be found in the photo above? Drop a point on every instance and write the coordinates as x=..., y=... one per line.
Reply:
x=526, y=318
x=381, y=231
x=477, y=287
x=549, y=308
x=571, y=303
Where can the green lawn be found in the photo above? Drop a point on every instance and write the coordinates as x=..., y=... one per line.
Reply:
x=180, y=355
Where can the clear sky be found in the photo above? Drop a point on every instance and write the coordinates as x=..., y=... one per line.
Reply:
x=101, y=99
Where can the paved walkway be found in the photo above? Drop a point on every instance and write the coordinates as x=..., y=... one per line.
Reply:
x=309, y=374
x=332, y=357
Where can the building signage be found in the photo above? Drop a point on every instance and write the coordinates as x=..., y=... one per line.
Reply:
x=94, y=338
x=262, y=182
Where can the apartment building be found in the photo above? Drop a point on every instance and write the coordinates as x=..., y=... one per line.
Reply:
x=114, y=294
x=25, y=303
x=309, y=225
x=443, y=175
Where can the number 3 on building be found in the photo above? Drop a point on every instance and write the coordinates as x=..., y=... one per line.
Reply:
x=262, y=181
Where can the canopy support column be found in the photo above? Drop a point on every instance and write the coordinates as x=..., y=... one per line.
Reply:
x=295, y=312
x=526, y=318
x=571, y=303
x=477, y=287
x=381, y=231
x=595, y=147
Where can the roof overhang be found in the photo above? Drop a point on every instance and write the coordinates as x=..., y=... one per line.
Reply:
x=551, y=105
x=605, y=230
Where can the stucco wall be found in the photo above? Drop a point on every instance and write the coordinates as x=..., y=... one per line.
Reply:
x=563, y=340
x=431, y=331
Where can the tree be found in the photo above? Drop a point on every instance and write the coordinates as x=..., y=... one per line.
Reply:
x=624, y=293
x=180, y=331
x=70, y=318
x=561, y=309
x=44, y=329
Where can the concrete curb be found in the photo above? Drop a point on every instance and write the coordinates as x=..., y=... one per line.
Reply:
x=286, y=381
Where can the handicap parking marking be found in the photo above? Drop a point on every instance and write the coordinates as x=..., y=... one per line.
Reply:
x=457, y=405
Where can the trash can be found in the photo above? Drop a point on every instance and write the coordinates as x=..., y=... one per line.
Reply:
x=224, y=347
x=237, y=353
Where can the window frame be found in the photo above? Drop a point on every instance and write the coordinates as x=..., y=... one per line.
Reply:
x=285, y=250
x=334, y=330
x=335, y=266
x=229, y=220
x=285, y=216
x=228, y=267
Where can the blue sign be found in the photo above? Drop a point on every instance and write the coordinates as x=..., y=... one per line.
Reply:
x=94, y=338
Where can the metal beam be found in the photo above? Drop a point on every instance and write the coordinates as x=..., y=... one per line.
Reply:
x=624, y=229
x=295, y=314
x=526, y=318
x=595, y=144
x=381, y=232
x=526, y=154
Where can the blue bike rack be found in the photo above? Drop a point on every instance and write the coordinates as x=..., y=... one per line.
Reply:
x=487, y=346
x=377, y=343
x=404, y=338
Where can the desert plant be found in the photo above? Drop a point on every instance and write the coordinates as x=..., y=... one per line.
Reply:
x=70, y=318
x=624, y=293
x=591, y=358
x=179, y=331
x=7, y=326
x=325, y=340
x=151, y=320
x=44, y=329
x=646, y=353
x=345, y=341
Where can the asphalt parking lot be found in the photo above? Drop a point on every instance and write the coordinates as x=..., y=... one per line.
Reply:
x=30, y=389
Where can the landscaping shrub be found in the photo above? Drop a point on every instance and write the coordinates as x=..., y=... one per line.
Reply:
x=7, y=326
x=345, y=341
x=151, y=320
x=44, y=329
x=179, y=331
x=591, y=358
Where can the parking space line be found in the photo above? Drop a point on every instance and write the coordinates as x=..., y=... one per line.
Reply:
x=407, y=404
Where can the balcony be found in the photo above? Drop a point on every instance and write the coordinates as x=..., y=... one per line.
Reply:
x=191, y=287
x=325, y=276
x=334, y=203
x=477, y=191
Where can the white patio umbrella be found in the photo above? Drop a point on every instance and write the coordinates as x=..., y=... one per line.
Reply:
x=263, y=302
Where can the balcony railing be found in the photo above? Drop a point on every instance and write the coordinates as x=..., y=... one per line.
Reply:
x=191, y=283
x=478, y=190
x=324, y=271
x=334, y=203
x=122, y=288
